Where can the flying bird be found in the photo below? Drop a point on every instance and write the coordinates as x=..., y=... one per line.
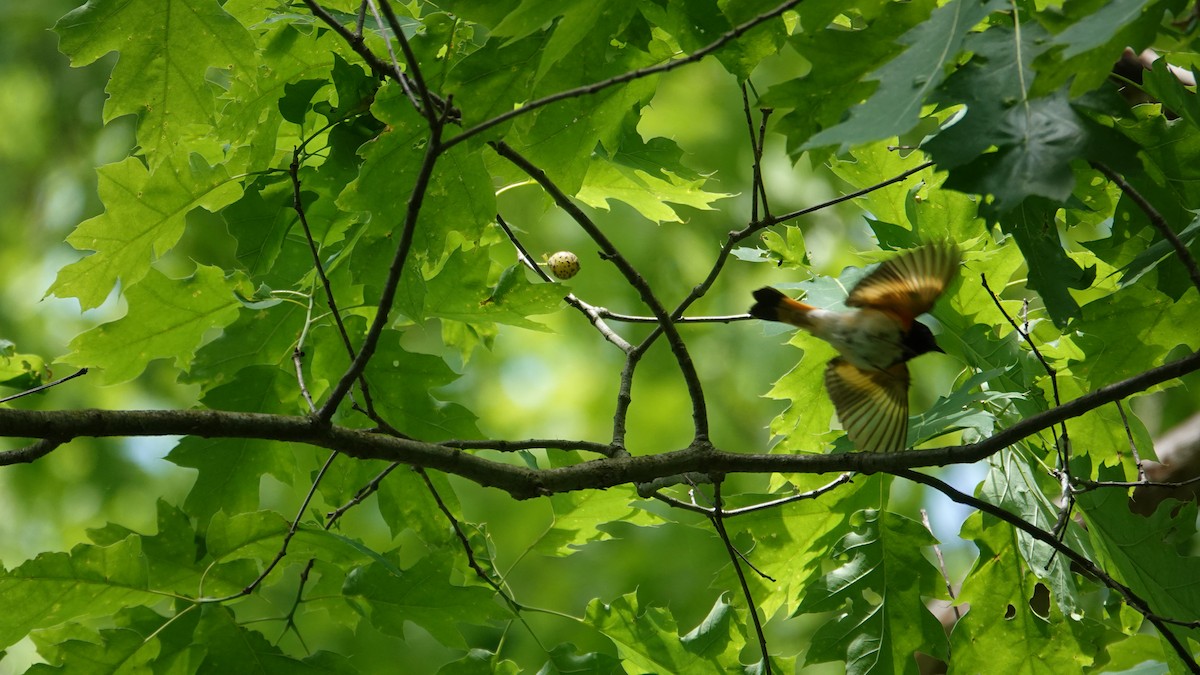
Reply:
x=868, y=382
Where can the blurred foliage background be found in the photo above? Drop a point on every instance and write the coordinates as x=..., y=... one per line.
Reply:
x=528, y=384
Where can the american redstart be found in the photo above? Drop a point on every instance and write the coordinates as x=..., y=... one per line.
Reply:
x=868, y=382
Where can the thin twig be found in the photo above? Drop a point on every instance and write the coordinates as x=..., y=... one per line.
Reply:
x=426, y=106
x=1050, y=371
x=405, y=86
x=754, y=508
x=1087, y=484
x=632, y=318
x=735, y=557
x=609, y=251
x=1137, y=458
x=1157, y=220
x=361, y=20
x=360, y=496
x=287, y=538
x=298, y=207
x=44, y=387
x=1062, y=442
x=30, y=453
x=592, y=313
x=729, y=36
x=937, y=551
x=758, y=189
x=533, y=444
x=377, y=65
x=388, y=294
x=290, y=618
x=466, y=544
x=775, y=220
x=298, y=358
x=624, y=397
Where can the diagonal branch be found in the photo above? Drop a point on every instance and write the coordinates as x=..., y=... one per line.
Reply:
x=729, y=36
x=1132, y=599
x=377, y=65
x=1157, y=220
x=594, y=314
x=386, y=298
x=610, y=252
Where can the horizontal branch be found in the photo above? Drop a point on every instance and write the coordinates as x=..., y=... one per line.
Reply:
x=60, y=426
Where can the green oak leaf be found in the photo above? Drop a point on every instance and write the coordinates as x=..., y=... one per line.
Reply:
x=406, y=504
x=841, y=61
x=292, y=78
x=174, y=556
x=1009, y=143
x=230, y=469
x=791, y=544
x=20, y=371
x=234, y=648
x=167, y=318
x=552, y=137
x=649, y=639
x=968, y=407
x=464, y=291
x=1132, y=331
x=423, y=595
x=878, y=592
x=1138, y=551
x=908, y=80
x=266, y=336
x=649, y=193
x=144, y=218
x=90, y=581
x=567, y=659
x=1002, y=632
x=162, y=75
x=458, y=203
x=404, y=386
x=1052, y=273
x=579, y=518
x=496, y=78
x=1149, y=256
x=480, y=662
x=1014, y=486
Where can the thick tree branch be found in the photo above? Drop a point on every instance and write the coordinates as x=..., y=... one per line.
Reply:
x=523, y=482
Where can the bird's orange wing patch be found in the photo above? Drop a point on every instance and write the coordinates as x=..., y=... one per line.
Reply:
x=872, y=405
x=907, y=286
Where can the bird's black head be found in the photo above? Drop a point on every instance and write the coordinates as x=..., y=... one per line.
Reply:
x=919, y=341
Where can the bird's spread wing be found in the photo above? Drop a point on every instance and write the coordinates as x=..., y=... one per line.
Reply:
x=907, y=286
x=872, y=405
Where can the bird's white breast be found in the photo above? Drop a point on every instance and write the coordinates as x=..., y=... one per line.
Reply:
x=866, y=338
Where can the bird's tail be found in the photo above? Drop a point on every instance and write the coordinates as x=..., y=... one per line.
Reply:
x=772, y=305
